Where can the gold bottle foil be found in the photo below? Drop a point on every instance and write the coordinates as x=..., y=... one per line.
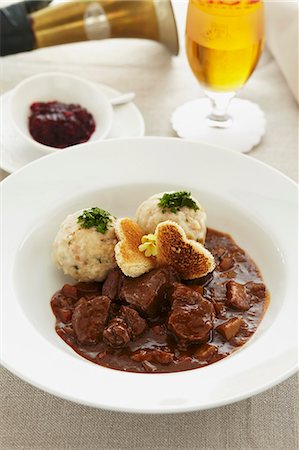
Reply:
x=75, y=21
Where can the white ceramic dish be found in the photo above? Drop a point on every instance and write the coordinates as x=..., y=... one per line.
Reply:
x=15, y=153
x=254, y=203
x=64, y=88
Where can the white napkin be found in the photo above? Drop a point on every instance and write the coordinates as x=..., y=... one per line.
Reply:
x=282, y=38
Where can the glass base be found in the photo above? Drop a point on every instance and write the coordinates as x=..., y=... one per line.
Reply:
x=243, y=129
x=225, y=122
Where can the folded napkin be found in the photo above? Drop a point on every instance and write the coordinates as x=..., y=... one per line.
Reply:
x=282, y=38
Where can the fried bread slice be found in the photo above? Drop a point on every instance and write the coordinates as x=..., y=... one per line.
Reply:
x=129, y=258
x=189, y=258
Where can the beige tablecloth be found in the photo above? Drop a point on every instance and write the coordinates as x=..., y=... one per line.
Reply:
x=32, y=419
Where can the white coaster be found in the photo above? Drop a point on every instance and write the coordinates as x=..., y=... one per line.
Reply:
x=248, y=127
x=127, y=122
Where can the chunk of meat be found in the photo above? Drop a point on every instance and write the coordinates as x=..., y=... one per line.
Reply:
x=197, y=288
x=191, y=317
x=219, y=251
x=123, y=328
x=205, y=352
x=65, y=315
x=256, y=289
x=191, y=324
x=226, y=263
x=218, y=306
x=147, y=292
x=153, y=355
x=116, y=333
x=182, y=295
x=90, y=318
x=62, y=307
x=230, y=328
x=70, y=291
x=112, y=284
x=135, y=323
x=185, y=358
x=88, y=289
x=236, y=296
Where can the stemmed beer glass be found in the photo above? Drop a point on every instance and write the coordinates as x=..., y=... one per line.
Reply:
x=224, y=41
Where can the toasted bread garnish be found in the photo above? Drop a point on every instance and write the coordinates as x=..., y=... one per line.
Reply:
x=189, y=258
x=129, y=258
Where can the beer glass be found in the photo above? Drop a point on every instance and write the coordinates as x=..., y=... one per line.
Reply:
x=224, y=41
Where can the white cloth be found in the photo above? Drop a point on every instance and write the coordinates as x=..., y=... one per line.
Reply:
x=282, y=38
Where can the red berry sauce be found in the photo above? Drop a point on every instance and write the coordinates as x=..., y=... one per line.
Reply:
x=59, y=124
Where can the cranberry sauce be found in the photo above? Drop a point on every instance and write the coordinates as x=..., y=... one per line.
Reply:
x=159, y=323
x=59, y=124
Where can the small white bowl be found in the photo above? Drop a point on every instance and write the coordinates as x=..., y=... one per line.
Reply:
x=63, y=88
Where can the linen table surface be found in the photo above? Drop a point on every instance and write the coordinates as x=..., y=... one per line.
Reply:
x=32, y=419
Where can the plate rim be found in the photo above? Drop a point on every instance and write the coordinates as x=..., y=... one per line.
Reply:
x=178, y=410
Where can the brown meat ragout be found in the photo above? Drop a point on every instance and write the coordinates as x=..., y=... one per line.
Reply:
x=159, y=323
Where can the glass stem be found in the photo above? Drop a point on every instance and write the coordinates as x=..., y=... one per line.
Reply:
x=219, y=116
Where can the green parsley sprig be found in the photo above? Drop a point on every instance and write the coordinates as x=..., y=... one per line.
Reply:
x=95, y=217
x=173, y=202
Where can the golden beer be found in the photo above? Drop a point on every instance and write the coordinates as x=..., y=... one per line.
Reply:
x=224, y=40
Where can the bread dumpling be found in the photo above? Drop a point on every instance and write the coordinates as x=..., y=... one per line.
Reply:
x=86, y=253
x=179, y=207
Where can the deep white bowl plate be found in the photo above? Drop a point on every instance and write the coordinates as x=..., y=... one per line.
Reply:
x=256, y=204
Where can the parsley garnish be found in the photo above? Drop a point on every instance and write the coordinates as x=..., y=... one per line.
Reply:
x=173, y=202
x=95, y=217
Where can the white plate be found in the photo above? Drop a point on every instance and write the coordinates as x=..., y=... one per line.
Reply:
x=127, y=122
x=254, y=203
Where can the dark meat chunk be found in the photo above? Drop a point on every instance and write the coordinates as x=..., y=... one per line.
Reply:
x=147, y=292
x=125, y=327
x=65, y=315
x=191, y=324
x=205, y=352
x=185, y=358
x=191, y=317
x=112, y=284
x=182, y=295
x=153, y=355
x=256, y=289
x=219, y=251
x=70, y=291
x=62, y=307
x=236, y=296
x=89, y=289
x=226, y=263
x=135, y=323
x=89, y=319
x=197, y=288
x=218, y=306
x=230, y=328
x=116, y=333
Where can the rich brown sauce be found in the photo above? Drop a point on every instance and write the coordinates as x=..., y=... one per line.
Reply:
x=232, y=264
